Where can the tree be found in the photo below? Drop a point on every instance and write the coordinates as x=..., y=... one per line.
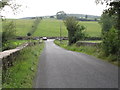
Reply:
x=103, y=1
x=109, y=34
x=114, y=12
x=114, y=9
x=51, y=16
x=106, y=22
x=75, y=31
x=110, y=42
x=8, y=33
x=12, y=4
x=3, y=3
x=61, y=15
x=86, y=16
x=8, y=30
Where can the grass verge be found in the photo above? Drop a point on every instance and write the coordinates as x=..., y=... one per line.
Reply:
x=90, y=50
x=22, y=74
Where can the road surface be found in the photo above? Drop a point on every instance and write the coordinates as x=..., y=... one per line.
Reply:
x=60, y=68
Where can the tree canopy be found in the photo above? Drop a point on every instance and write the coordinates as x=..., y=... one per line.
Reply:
x=12, y=4
x=61, y=15
x=75, y=30
x=103, y=1
x=3, y=3
x=111, y=27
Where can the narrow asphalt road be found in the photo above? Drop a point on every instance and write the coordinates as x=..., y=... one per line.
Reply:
x=60, y=68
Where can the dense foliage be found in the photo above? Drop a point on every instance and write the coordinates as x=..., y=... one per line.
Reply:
x=111, y=31
x=75, y=30
x=110, y=42
x=8, y=33
x=61, y=15
x=106, y=22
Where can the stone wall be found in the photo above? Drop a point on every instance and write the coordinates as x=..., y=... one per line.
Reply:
x=7, y=57
x=87, y=44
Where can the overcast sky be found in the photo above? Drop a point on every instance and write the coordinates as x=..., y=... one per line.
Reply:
x=51, y=7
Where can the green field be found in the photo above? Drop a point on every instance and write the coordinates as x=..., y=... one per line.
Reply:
x=23, y=26
x=51, y=27
x=92, y=28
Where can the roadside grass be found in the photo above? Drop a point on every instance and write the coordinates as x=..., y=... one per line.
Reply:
x=92, y=41
x=83, y=49
x=90, y=50
x=22, y=74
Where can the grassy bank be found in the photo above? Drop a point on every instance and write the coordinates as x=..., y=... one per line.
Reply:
x=90, y=50
x=22, y=74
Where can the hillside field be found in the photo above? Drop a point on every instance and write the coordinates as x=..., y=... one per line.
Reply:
x=23, y=26
x=51, y=27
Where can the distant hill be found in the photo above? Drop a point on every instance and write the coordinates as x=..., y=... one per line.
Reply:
x=84, y=15
x=74, y=15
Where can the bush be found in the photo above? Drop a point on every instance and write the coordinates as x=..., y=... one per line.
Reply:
x=8, y=33
x=28, y=34
x=75, y=31
x=110, y=36
x=110, y=42
x=79, y=35
x=106, y=22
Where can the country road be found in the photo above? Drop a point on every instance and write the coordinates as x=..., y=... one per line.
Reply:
x=60, y=68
